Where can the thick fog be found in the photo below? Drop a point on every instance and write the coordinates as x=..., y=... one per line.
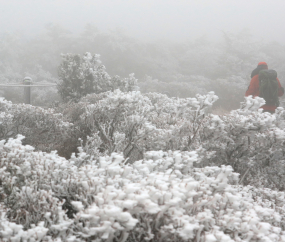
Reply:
x=179, y=48
x=149, y=19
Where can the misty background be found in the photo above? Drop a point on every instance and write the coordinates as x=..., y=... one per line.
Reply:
x=179, y=48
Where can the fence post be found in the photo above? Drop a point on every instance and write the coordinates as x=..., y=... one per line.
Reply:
x=27, y=90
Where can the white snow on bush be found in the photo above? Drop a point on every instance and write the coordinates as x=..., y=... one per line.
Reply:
x=161, y=198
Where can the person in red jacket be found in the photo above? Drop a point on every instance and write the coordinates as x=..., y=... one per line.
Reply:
x=253, y=88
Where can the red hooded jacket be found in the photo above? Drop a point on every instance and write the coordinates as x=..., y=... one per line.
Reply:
x=253, y=90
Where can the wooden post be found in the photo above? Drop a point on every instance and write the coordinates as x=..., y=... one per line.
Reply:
x=27, y=90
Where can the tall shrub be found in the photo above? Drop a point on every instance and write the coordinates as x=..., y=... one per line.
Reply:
x=80, y=76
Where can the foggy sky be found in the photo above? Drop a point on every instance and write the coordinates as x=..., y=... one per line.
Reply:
x=149, y=19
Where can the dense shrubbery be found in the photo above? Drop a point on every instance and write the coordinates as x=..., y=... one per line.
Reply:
x=160, y=198
x=146, y=169
x=43, y=128
x=133, y=123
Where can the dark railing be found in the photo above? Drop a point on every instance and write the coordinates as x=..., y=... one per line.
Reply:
x=28, y=84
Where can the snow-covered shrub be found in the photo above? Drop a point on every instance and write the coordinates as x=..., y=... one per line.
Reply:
x=80, y=76
x=251, y=141
x=160, y=198
x=40, y=206
x=26, y=192
x=43, y=128
x=118, y=119
x=132, y=123
x=180, y=119
x=10, y=231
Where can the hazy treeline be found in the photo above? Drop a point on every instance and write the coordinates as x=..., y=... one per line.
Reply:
x=177, y=69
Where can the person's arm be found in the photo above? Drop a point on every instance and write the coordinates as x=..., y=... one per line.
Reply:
x=280, y=89
x=253, y=87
